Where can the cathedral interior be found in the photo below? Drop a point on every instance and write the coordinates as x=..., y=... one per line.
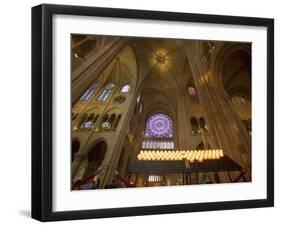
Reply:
x=159, y=112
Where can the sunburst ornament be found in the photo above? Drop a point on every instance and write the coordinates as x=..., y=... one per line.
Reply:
x=160, y=58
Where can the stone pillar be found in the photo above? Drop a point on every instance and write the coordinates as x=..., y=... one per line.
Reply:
x=80, y=171
x=203, y=135
x=78, y=159
x=182, y=122
x=89, y=70
x=124, y=162
x=112, y=161
x=226, y=131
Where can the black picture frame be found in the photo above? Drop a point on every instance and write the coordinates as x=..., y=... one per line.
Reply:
x=42, y=107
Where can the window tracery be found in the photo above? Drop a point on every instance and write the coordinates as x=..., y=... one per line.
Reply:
x=159, y=125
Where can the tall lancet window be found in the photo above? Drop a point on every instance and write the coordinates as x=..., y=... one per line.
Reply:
x=192, y=94
x=195, y=129
x=106, y=92
x=158, y=132
x=192, y=91
x=89, y=92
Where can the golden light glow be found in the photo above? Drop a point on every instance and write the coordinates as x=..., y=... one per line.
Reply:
x=75, y=128
x=189, y=155
x=160, y=58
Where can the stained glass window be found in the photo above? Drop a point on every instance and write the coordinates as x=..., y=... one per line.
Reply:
x=191, y=91
x=90, y=121
x=105, y=93
x=159, y=144
x=159, y=125
x=89, y=92
x=125, y=89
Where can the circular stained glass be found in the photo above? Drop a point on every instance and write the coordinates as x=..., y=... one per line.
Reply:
x=159, y=125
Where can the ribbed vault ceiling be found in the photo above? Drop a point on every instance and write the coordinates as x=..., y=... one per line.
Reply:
x=163, y=71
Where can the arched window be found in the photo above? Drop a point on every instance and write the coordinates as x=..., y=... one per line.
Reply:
x=74, y=148
x=116, y=122
x=202, y=123
x=111, y=121
x=103, y=123
x=192, y=91
x=158, y=144
x=159, y=125
x=89, y=92
x=106, y=91
x=125, y=89
x=195, y=130
x=88, y=124
x=95, y=156
x=90, y=121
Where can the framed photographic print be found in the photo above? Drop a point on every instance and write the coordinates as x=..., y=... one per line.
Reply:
x=146, y=112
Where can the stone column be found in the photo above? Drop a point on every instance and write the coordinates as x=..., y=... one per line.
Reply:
x=78, y=159
x=80, y=171
x=89, y=70
x=124, y=162
x=182, y=122
x=226, y=131
x=112, y=161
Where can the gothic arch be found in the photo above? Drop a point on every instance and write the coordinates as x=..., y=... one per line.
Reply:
x=75, y=147
x=95, y=156
x=220, y=59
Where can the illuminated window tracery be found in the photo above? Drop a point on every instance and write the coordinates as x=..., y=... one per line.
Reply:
x=158, y=132
x=159, y=125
